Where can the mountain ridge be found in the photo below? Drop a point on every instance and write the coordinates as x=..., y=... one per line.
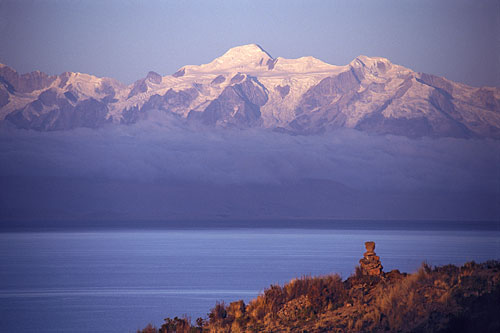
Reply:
x=247, y=87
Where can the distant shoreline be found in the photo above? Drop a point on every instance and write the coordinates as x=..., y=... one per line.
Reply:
x=215, y=224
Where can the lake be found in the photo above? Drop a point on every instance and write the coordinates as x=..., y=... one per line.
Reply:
x=119, y=280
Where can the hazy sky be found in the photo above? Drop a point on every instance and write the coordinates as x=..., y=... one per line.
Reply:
x=125, y=39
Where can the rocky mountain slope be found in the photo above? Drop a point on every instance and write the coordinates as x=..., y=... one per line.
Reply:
x=246, y=87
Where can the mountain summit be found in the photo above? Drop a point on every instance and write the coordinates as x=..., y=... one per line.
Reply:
x=246, y=55
x=246, y=58
x=247, y=87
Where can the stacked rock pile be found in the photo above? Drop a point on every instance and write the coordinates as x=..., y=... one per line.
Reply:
x=370, y=264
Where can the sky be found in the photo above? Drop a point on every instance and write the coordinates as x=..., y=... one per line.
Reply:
x=124, y=39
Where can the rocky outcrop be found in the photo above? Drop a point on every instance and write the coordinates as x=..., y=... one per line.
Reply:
x=25, y=83
x=179, y=73
x=175, y=102
x=370, y=264
x=141, y=86
x=282, y=90
x=219, y=79
x=51, y=112
x=153, y=77
x=237, y=106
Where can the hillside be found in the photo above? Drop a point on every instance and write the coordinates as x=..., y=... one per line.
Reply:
x=434, y=299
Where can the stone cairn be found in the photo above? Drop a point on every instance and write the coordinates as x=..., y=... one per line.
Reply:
x=370, y=264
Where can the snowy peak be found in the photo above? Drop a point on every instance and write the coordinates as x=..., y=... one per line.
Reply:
x=252, y=58
x=250, y=50
x=246, y=56
x=249, y=57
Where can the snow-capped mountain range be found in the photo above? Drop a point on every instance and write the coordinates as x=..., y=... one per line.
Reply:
x=246, y=87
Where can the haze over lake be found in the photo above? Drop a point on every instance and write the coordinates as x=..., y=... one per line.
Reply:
x=162, y=169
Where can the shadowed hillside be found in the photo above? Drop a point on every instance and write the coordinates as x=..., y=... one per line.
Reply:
x=434, y=299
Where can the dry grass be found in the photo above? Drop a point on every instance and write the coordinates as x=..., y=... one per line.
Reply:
x=440, y=299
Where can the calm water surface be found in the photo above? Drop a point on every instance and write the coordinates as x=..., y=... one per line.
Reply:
x=120, y=280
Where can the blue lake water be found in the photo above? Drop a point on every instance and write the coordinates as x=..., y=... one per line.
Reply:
x=120, y=280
